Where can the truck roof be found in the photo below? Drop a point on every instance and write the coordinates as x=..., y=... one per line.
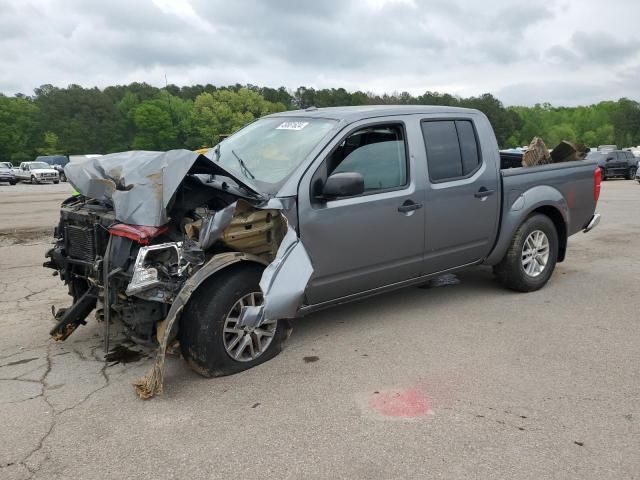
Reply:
x=361, y=112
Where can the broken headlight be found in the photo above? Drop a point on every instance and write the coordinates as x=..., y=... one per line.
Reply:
x=155, y=265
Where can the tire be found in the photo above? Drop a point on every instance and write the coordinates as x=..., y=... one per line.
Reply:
x=632, y=174
x=511, y=271
x=33, y=180
x=56, y=182
x=13, y=182
x=203, y=341
x=603, y=177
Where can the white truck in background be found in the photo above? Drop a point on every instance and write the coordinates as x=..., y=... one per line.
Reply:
x=36, y=172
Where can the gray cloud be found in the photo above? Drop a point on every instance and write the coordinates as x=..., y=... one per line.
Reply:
x=513, y=48
x=597, y=47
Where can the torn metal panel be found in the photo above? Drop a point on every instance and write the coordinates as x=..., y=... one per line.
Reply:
x=283, y=284
x=214, y=225
x=141, y=184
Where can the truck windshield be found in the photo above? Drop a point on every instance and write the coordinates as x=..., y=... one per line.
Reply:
x=38, y=165
x=268, y=150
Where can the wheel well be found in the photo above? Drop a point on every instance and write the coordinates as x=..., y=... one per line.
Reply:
x=232, y=268
x=561, y=227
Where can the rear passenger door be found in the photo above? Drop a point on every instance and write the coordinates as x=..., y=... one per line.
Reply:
x=619, y=162
x=462, y=201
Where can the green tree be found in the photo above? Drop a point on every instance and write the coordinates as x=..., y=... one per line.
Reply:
x=50, y=145
x=154, y=128
x=19, y=134
x=223, y=112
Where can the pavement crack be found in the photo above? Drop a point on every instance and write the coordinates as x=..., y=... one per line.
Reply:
x=55, y=414
x=39, y=446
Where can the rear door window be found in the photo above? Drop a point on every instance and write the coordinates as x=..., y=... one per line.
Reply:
x=468, y=146
x=452, y=149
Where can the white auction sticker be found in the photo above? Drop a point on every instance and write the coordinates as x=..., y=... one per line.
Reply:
x=292, y=125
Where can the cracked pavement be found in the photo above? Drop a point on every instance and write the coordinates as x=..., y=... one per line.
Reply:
x=498, y=384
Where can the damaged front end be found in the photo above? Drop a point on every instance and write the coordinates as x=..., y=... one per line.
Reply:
x=149, y=228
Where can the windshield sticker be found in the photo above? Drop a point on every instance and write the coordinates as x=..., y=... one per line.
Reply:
x=292, y=125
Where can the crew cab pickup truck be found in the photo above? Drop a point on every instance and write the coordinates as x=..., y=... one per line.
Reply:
x=299, y=211
x=36, y=172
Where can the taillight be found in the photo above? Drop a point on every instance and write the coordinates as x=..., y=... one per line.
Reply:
x=137, y=233
x=597, y=180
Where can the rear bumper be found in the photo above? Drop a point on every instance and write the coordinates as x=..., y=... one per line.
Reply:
x=593, y=223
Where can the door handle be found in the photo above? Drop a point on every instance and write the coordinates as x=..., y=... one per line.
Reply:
x=409, y=206
x=483, y=192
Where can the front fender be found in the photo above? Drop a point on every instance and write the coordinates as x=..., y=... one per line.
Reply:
x=521, y=206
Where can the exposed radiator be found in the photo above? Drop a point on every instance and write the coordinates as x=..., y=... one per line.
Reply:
x=80, y=243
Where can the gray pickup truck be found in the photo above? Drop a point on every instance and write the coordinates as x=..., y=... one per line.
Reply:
x=299, y=211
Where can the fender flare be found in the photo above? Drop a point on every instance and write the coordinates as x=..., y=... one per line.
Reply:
x=542, y=198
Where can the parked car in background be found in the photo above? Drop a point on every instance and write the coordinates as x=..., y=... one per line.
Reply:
x=37, y=172
x=6, y=174
x=8, y=165
x=56, y=161
x=616, y=163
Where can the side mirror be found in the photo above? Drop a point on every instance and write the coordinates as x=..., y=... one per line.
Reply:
x=344, y=184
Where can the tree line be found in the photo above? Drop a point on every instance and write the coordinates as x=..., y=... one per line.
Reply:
x=78, y=120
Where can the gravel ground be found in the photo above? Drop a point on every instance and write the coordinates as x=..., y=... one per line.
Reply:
x=460, y=381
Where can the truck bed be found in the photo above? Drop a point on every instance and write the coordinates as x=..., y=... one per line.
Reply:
x=568, y=185
x=572, y=180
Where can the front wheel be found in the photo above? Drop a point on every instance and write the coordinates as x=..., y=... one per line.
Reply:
x=532, y=256
x=632, y=173
x=603, y=175
x=33, y=180
x=56, y=182
x=211, y=340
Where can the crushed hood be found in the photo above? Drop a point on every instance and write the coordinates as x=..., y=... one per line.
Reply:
x=140, y=184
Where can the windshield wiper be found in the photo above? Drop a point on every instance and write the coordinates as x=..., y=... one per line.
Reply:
x=243, y=165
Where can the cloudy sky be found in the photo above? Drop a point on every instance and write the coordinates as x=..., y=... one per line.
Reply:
x=566, y=52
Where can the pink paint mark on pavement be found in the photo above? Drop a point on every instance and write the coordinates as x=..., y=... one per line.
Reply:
x=408, y=403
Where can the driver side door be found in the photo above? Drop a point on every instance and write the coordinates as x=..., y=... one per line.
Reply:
x=371, y=240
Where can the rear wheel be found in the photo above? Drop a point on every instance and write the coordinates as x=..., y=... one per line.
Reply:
x=532, y=256
x=12, y=182
x=210, y=338
x=632, y=173
x=56, y=182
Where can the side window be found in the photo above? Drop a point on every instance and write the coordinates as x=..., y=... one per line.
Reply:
x=452, y=149
x=468, y=146
x=377, y=153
